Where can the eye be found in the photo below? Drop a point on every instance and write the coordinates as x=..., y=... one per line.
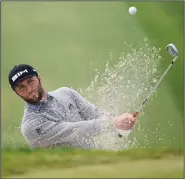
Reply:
x=21, y=88
x=30, y=80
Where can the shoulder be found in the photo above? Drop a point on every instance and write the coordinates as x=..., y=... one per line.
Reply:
x=62, y=91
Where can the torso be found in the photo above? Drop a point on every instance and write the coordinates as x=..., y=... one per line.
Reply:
x=59, y=107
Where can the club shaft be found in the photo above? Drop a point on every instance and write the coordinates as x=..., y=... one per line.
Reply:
x=148, y=96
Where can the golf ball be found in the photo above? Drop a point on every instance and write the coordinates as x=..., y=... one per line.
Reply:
x=132, y=10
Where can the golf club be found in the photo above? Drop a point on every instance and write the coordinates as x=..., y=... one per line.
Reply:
x=174, y=52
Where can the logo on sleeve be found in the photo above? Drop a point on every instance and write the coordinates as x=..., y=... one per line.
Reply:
x=71, y=106
x=39, y=130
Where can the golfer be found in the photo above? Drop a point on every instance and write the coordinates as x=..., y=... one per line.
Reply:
x=61, y=117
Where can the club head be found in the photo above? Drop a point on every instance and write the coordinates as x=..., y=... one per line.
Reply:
x=171, y=48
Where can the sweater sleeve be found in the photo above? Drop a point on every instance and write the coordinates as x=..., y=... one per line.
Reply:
x=88, y=110
x=81, y=134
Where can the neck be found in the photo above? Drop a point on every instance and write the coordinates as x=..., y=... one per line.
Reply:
x=44, y=97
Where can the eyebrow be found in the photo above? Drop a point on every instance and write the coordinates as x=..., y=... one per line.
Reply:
x=19, y=85
x=27, y=79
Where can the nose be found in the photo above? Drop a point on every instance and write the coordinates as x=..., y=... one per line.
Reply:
x=29, y=89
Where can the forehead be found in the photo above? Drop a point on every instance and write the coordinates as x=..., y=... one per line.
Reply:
x=25, y=80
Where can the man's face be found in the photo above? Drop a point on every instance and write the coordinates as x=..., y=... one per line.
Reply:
x=30, y=89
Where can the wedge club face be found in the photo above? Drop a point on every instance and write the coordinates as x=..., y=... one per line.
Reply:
x=171, y=48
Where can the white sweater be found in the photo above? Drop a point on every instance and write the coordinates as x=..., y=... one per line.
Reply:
x=66, y=119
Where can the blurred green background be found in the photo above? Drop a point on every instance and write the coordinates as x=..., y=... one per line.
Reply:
x=67, y=41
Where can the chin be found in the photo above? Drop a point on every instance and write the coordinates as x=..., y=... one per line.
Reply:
x=33, y=101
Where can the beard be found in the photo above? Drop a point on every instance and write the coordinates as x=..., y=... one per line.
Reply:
x=37, y=97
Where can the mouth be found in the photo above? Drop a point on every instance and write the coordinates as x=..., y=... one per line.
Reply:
x=34, y=95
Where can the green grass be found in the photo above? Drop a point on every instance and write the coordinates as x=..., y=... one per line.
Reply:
x=67, y=41
x=145, y=168
x=71, y=163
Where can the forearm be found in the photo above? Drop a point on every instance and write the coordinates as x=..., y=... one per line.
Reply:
x=77, y=134
x=91, y=112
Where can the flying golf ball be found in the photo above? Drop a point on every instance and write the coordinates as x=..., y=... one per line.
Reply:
x=132, y=10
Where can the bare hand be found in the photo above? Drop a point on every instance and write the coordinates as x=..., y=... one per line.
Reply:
x=125, y=121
